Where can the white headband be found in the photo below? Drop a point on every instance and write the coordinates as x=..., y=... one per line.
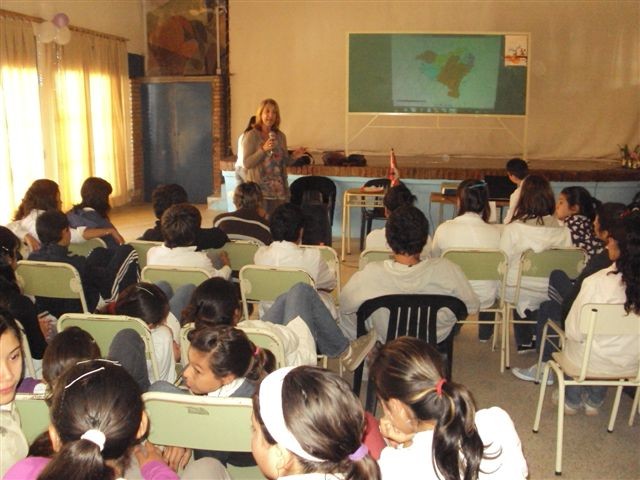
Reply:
x=273, y=416
x=95, y=436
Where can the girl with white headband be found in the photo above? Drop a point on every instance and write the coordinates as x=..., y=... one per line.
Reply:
x=308, y=424
x=431, y=423
x=97, y=417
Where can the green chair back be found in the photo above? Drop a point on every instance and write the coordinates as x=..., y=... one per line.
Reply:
x=265, y=284
x=104, y=327
x=241, y=253
x=174, y=276
x=85, y=248
x=142, y=247
x=50, y=279
x=34, y=415
x=570, y=260
x=373, y=256
x=267, y=340
x=479, y=264
x=330, y=256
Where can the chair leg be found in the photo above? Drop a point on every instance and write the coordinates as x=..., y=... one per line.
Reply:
x=614, y=410
x=542, y=346
x=507, y=334
x=357, y=379
x=503, y=340
x=362, y=234
x=543, y=389
x=635, y=407
x=560, y=435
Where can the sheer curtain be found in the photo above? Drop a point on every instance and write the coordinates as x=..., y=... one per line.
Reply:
x=79, y=118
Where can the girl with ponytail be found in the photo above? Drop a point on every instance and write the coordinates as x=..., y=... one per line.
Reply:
x=307, y=423
x=431, y=423
x=97, y=417
x=576, y=208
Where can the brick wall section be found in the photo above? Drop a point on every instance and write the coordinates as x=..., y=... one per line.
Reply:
x=219, y=134
x=136, y=139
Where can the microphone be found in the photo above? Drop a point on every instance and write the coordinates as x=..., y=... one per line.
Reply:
x=272, y=136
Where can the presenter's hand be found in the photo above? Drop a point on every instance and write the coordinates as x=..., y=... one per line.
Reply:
x=269, y=145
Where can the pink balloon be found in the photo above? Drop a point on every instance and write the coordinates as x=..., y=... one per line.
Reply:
x=60, y=20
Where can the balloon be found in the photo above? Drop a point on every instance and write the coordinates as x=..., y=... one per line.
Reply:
x=45, y=32
x=60, y=20
x=63, y=36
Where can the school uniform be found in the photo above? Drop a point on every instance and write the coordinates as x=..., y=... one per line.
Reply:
x=162, y=255
x=13, y=444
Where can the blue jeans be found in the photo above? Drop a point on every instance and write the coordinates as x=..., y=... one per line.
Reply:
x=179, y=299
x=303, y=300
x=592, y=395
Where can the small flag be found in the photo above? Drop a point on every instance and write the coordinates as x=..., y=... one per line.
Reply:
x=394, y=175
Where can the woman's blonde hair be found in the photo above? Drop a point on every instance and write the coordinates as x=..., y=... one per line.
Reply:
x=261, y=107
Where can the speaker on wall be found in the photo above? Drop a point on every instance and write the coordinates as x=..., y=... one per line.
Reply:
x=136, y=65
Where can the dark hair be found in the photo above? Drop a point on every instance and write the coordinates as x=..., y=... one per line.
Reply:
x=50, y=225
x=407, y=230
x=213, y=302
x=231, y=352
x=251, y=124
x=581, y=197
x=95, y=193
x=327, y=419
x=66, y=349
x=180, y=224
x=627, y=233
x=145, y=301
x=608, y=214
x=408, y=370
x=105, y=399
x=536, y=200
x=473, y=196
x=248, y=195
x=286, y=223
x=9, y=245
x=398, y=196
x=164, y=196
x=518, y=168
x=43, y=194
x=8, y=323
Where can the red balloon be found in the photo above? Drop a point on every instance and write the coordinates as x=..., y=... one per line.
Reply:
x=60, y=20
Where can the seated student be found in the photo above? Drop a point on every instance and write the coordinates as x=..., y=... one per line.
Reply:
x=407, y=273
x=93, y=211
x=471, y=229
x=576, y=208
x=249, y=221
x=286, y=229
x=165, y=196
x=533, y=227
x=298, y=318
x=395, y=197
x=11, y=298
x=564, y=290
x=618, y=283
x=241, y=174
x=44, y=195
x=13, y=444
x=431, y=423
x=307, y=423
x=148, y=303
x=517, y=171
x=223, y=363
x=180, y=224
x=103, y=273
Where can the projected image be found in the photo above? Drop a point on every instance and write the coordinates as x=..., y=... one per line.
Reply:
x=444, y=74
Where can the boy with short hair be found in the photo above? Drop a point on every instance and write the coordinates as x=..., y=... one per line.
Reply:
x=517, y=171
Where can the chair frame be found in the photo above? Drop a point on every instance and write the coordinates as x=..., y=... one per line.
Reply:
x=490, y=265
x=174, y=276
x=35, y=278
x=368, y=216
x=257, y=283
x=405, y=315
x=330, y=256
x=142, y=247
x=112, y=323
x=241, y=252
x=305, y=183
x=26, y=403
x=86, y=247
x=373, y=255
x=590, y=325
x=540, y=265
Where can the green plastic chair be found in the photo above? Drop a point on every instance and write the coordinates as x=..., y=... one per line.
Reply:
x=104, y=327
x=174, y=276
x=488, y=265
x=85, y=248
x=373, y=255
x=206, y=423
x=264, y=284
x=142, y=247
x=570, y=260
x=330, y=256
x=34, y=415
x=50, y=279
x=241, y=252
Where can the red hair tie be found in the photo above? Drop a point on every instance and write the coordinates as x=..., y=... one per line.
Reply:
x=439, y=385
x=256, y=352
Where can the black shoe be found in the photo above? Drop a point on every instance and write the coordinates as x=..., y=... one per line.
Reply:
x=527, y=347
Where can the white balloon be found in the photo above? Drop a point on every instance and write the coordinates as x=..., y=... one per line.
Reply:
x=46, y=32
x=63, y=36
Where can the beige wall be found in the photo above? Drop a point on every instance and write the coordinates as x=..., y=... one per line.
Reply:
x=585, y=72
x=117, y=17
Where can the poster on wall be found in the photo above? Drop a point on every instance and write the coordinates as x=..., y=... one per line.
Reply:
x=181, y=37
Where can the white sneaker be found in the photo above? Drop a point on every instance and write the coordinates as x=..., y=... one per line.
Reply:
x=568, y=409
x=357, y=351
x=529, y=374
x=591, y=411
